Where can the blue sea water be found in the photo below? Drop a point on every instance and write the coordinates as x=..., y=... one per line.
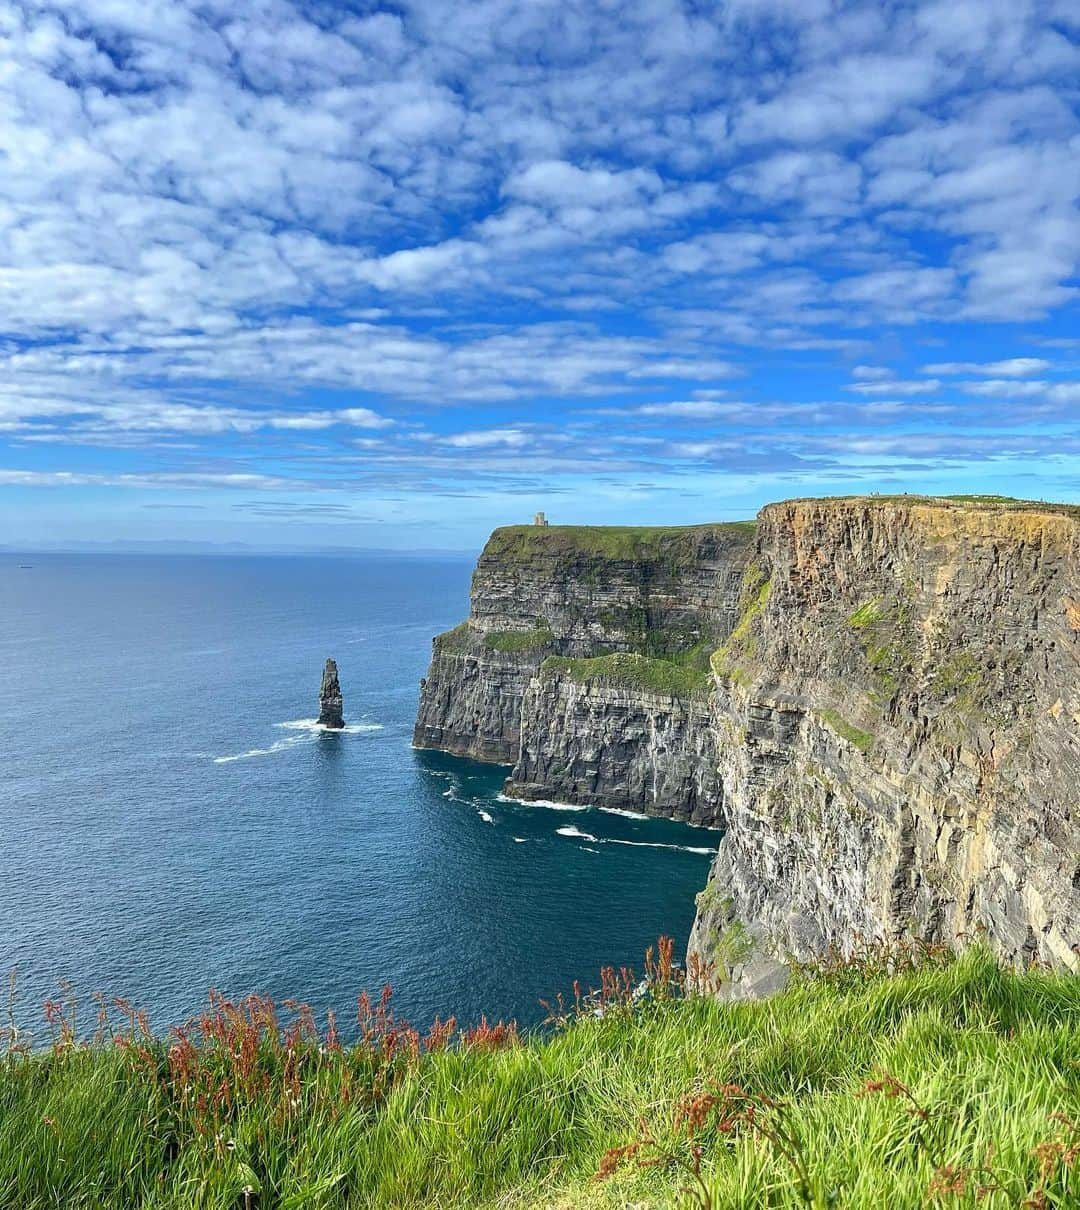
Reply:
x=170, y=820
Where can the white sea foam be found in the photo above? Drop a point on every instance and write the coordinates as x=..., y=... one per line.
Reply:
x=308, y=728
x=485, y=816
x=280, y=746
x=313, y=726
x=649, y=844
x=572, y=831
x=541, y=802
x=585, y=849
x=625, y=814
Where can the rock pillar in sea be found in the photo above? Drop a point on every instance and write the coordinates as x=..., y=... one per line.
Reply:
x=330, y=703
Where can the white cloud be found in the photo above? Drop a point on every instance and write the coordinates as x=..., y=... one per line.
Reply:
x=924, y=386
x=282, y=229
x=557, y=184
x=1012, y=367
x=688, y=409
x=486, y=439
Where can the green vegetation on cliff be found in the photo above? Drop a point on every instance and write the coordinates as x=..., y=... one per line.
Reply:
x=518, y=640
x=632, y=671
x=905, y=1089
x=861, y=739
x=454, y=640
x=978, y=502
x=676, y=543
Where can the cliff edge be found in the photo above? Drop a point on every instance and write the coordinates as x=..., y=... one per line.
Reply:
x=900, y=706
x=584, y=663
x=877, y=698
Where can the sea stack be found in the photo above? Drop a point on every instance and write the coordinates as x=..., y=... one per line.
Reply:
x=330, y=704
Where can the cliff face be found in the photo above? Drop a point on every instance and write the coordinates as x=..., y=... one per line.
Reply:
x=592, y=741
x=578, y=592
x=879, y=699
x=900, y=707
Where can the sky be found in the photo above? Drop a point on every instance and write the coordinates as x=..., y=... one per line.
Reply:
x=349, y=275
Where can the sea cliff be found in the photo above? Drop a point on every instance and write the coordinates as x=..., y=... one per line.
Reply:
x=877, y=698
x=623, y=622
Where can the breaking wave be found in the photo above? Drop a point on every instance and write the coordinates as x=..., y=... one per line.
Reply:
x=314, y=727
x=541, y=802
x=572, y=831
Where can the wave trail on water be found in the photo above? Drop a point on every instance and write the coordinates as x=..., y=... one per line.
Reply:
x=308, y=728
x=652, y=844
x=577, y=834
x=279, y=746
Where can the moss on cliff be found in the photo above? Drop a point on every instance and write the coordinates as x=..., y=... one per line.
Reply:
x=862, y=740
x=632, y=671
x=453, y=640
x=728, y=659
x=518, y=640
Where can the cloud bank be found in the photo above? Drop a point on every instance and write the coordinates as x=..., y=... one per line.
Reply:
x=527, y=246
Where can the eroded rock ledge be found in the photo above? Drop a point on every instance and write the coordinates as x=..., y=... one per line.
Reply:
x=878, y=698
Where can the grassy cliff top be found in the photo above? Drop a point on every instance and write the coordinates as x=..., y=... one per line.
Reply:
x=880, y=1079
x=981, y=503
x=610, y=541
x=634, y=542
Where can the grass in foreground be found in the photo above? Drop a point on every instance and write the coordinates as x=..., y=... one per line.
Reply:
x=950, y=1083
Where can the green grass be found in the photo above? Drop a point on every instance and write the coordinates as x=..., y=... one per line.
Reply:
x=675, y=544
x=991, y=1056
x=628, y=670
x=956, y=501
x=518, y=640
x=862, y=740
x=454, y=640
x=866, y=615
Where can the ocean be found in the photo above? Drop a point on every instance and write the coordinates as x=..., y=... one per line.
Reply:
x=171, y=820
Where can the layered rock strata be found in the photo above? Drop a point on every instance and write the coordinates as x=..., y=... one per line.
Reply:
x=592, y=741
x=899, y=721
x=888, y=727
x=658, y=595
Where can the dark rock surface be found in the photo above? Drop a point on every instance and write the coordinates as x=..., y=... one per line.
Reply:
x=888, y=730
x=579, y=592
x=618, y=747
x=900, y=719
x=330, y=703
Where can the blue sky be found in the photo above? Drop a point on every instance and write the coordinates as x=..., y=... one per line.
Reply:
x=338, y=274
